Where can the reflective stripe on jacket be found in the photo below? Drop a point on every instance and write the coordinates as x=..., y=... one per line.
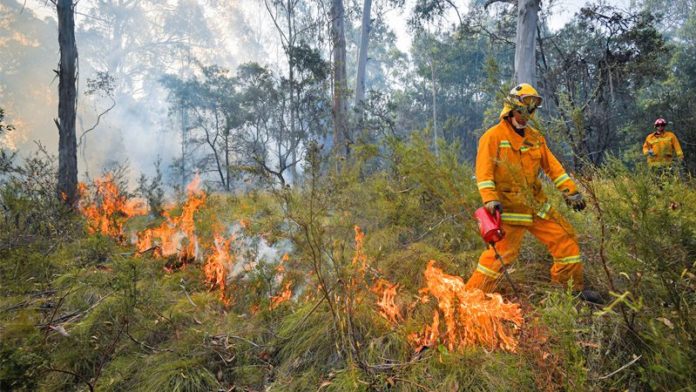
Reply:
x=665, y=147
x=507, y=170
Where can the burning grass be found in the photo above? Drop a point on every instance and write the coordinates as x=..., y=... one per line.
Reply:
x=386, y=291
x=283, y=296
x=471, y=317
x=176, y=236
x=218, y=266
x=106, y=207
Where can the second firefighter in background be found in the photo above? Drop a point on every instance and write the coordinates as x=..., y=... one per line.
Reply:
x=662, y=147
x=510, y=157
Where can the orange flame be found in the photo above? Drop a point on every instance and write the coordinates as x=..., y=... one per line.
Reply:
x=217, y=265
x=282, y=297
x=471, y=317
x=360, y=258
x=107, y=208
x=280, y=268
x=168, y=239
x=387, y=305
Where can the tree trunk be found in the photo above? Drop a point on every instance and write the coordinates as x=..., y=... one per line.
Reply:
x=525, y=54
x=227, y=159
x=362, y=53
x=340, y=87
x=291, y=79
x=67, y=103
x=183, y=144
x=294, y=110
x=434, y=91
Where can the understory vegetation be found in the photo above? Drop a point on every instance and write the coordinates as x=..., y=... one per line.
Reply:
x=83, y=311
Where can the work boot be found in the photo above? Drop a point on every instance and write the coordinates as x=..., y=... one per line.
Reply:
x=590, y=296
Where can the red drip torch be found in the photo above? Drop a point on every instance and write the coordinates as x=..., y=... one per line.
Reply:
x=491, y=232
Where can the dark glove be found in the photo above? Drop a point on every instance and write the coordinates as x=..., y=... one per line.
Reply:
x=493, y=205
x=575, y=201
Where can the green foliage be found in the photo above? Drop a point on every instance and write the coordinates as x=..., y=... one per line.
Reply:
x=560, y=313
x=31, y=215
x=19, y=360
x=152, y=190
x=131, y=325
x=180, y=375
x=649, y=254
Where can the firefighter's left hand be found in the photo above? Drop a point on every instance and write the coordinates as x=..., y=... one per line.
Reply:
x=575, y=201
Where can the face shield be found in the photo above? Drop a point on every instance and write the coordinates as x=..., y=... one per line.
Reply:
x=523, y=99
x=526, y=105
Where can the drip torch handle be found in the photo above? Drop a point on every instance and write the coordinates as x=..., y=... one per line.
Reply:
x=503, y=267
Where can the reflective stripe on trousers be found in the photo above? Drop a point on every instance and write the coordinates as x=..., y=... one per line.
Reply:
x=553, y=232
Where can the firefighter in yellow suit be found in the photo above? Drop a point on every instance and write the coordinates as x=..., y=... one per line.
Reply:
x=662, y=147
x=510, y=157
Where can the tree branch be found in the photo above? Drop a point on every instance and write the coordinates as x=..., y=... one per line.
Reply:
x=491, y=2
x=84, y=133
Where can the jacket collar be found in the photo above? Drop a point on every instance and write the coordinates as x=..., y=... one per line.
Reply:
x=513, y=137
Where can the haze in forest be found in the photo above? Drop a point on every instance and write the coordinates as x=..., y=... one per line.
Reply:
x=137, y=43
x=167, y=38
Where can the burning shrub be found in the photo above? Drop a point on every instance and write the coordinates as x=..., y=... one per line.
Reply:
x=107, y=207
x=386, y=304
x=283, y=296
x=176, y=236
x=217, y=266
x=471, y=317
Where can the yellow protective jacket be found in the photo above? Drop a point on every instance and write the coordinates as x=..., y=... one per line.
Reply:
x=507, y=170
x=665, y=147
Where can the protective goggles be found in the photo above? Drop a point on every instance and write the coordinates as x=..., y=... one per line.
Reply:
x=532, y=102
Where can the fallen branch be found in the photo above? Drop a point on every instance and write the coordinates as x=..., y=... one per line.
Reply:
x=619, y=369
x=77, y=376
x=22, y=304
x=238, y=338
x=72, y=315
x=153, y=349
x=187, y=295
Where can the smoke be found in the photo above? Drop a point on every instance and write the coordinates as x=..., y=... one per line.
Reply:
x=27, y=81
x=136, y=44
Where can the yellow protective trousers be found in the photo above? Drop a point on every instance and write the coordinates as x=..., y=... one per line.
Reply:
x=554, y=232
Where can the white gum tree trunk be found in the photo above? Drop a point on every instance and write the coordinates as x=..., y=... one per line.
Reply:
x=362, y=54
x=525, y=54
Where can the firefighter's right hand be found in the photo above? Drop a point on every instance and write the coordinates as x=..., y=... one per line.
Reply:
x=575, y=201
x=493, y=205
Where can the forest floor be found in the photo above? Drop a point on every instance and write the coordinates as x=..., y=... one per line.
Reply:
x=347, y=281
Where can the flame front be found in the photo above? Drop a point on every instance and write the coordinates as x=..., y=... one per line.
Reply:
x=168, y=238
x=471, y=317
x=217, y=265
x=107, y=208
x=360, y=258
x=282, y=297
x=387, y=302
